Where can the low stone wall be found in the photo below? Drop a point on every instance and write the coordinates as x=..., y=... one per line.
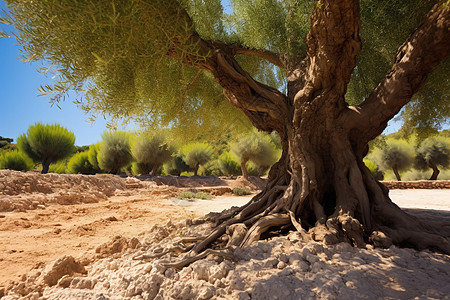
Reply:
x=419, y=184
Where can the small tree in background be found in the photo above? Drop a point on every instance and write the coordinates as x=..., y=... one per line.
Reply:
x=114, y=151
x=256, y=147
x=176, y=166
x=79, y=164
x=433, y=152
x=398, y=155
x=228, y=164
x=5, y=144
x=150, y=153
x=15, y=160
x=47, y=143
x=196, y=154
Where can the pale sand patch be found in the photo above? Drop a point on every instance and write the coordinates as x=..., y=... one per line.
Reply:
x=421, y=199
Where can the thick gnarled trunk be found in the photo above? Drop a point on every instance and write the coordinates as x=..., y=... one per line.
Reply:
x=321, y=186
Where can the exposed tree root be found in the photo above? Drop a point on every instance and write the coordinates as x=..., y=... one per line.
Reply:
x=187, y=261
x=384, y=223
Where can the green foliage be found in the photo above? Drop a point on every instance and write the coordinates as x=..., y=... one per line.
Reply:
x=79, y=164
x=60, y=167
x=377, y=174
x=191, y=195
x=81, y=148
x=241, y=191
x=116, y=59
x=5, y=143
x=175, y=166
x=210, y=168
x=203, y=196
x=398, y=156
x=434, y=151
x=196, y=154
x=92, y=155
x=47, y=143
x=186, y=195
x=114, y=152
x=15, y=160
x=150, y=152
x=414, y=174
x=228, y=164
x=256, y=147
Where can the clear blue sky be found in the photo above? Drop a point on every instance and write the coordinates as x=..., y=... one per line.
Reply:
x=21, y=106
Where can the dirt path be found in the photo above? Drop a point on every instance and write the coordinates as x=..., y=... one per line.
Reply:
x=42, y=235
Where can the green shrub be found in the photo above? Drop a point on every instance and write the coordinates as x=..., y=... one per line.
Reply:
x=15, y=160
x=79, y=164
x=59, y=167
x=256, y=147
x=203, y=196
x=186, y=195
x=175, y=166
x=241, y=191
x=415, y=175
x=397, y=155
x=150, y=152
x=47, y=143
x=191, y=195
x=377, y=174
x=433, y=153
x=114, y=152
x=228, y=164
x=210, y=168
x=196, y=154
x=93, y=154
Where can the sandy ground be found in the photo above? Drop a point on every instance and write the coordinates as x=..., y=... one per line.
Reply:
x=33, y=238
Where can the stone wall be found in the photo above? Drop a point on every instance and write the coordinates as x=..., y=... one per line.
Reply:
x=419, y=184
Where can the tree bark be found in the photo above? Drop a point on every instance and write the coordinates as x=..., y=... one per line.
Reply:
x=244, y=169
x=155, y=169
x=196, y=169
x=397, y=175
x=436, y=172
x=46, y=165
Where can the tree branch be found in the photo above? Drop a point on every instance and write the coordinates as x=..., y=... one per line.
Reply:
x=428, y=45
x=264, y=54
x=332, y=45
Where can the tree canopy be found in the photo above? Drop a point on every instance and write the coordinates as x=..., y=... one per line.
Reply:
x=117, y=54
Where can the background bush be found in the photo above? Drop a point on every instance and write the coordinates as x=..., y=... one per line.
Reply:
x=196, y=154
x=433, y=153
x=175, y=166
x=15, y=160
x=47, y=143
x=228, y=164
x=398, y=155
x=150, y=153
x=79, y=164
x=114, y=151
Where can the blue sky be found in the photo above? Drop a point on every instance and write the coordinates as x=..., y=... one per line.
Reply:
x=21, y=106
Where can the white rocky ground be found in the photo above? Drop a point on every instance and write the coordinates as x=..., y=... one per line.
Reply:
x=285, y=267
